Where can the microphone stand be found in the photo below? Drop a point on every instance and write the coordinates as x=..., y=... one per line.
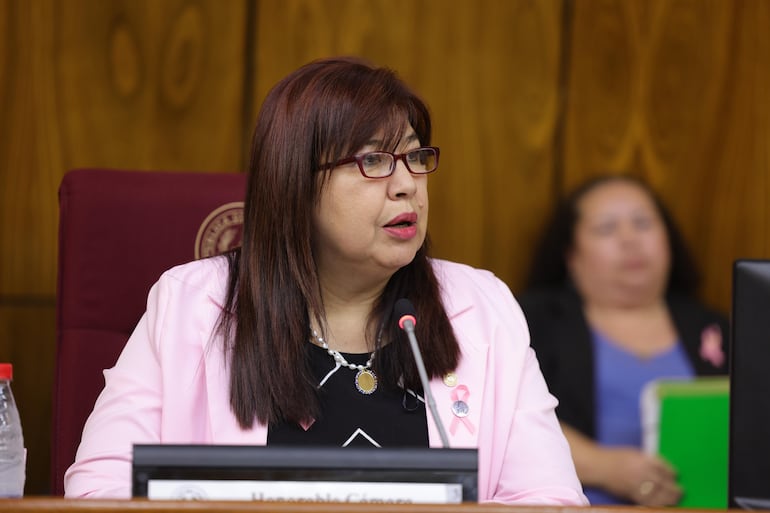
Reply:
x=408, y=326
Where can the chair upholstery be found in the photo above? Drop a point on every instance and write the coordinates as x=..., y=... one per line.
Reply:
x=118, y=231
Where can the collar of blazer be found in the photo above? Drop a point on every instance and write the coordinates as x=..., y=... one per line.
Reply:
x=461, y=421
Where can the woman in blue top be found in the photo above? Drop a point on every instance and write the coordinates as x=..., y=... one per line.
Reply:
x=611, y=305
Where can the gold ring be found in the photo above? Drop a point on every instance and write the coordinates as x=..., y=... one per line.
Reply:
x=646, y=488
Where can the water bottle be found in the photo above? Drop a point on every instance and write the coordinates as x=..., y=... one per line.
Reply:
x=13, y=456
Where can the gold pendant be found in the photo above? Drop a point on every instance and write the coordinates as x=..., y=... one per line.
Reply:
x=366, y=381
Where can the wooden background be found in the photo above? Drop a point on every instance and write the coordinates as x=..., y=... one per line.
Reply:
x=529, y=97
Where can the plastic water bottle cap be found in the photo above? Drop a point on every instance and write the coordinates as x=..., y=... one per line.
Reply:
x=6, y=371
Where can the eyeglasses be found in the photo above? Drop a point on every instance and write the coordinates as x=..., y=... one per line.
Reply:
x=381, y=164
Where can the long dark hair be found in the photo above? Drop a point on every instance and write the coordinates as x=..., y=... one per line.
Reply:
x=318, y=114
x=549, y=268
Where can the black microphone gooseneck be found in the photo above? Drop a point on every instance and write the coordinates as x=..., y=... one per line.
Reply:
x=406, y=315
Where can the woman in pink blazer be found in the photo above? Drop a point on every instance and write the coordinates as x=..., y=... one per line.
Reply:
x=292, y=338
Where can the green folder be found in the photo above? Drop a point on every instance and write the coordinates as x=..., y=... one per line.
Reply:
x=686, y=422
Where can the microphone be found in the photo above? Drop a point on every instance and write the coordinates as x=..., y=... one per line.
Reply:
x=406, y=314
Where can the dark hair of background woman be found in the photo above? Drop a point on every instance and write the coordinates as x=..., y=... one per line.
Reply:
x=549, y=268
x=321, y=113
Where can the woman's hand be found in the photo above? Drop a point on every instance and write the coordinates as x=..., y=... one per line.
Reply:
x=626, y=472
x=641, y=478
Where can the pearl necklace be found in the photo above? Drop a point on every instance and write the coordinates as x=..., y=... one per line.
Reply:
x=366, y=379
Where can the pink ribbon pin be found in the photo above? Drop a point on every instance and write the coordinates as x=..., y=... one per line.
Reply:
x=711, y=345
x=460, y=410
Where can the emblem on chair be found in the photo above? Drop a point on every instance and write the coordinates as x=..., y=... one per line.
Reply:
x=221, y=231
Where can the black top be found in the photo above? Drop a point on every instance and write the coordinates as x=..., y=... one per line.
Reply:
x=384, y=418
x=561, y=338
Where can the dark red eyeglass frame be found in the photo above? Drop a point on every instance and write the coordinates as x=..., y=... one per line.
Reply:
x=396, y=157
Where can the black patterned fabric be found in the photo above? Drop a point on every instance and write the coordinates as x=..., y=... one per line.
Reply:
x=385, y=418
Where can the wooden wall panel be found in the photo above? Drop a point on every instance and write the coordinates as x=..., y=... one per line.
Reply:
x=28, y=153
x=6, y=36
x=145, y=85
x=489, y=72
x=156, y=85
x=602, y=87
x=656, y=88
x=737, y=215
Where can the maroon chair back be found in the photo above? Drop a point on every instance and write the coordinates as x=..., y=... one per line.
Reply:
x=118, y=231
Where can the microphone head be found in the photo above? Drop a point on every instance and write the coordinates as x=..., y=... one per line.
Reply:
x=405, y=311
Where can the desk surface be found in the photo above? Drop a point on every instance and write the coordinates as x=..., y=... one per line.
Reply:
x=57, y=504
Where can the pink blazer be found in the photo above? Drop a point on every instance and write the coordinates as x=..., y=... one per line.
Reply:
x=170, y=385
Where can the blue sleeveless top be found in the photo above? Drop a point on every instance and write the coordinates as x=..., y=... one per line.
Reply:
x=619, y=377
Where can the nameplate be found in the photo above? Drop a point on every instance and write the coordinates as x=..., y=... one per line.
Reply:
x=306, y=491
